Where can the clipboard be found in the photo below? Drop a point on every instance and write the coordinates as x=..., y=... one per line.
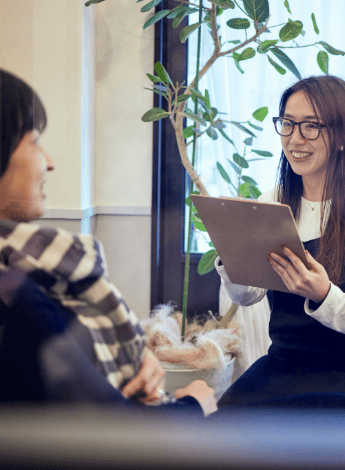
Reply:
x=244, y=232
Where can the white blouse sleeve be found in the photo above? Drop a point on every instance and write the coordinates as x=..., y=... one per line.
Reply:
x=331, y=312
x=241, y=295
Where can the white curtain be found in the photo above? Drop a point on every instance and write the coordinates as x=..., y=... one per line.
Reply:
x=239, y=95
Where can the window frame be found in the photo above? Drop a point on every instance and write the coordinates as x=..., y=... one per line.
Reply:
x=168, y=194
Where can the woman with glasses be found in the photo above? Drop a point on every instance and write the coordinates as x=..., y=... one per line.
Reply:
x=305, y=364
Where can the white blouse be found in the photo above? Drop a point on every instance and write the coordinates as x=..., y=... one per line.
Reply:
x=331, y=312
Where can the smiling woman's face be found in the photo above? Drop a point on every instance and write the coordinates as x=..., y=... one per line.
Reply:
x=22, y=185
x=307, y=158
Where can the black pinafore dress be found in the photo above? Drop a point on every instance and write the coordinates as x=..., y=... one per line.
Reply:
x=305, y=365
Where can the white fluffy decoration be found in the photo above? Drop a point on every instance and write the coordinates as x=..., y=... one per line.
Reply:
x=210, y=347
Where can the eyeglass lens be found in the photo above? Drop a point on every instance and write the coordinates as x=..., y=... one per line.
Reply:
x=308, y=130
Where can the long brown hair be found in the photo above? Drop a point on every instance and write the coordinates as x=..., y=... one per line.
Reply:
x=327, y=96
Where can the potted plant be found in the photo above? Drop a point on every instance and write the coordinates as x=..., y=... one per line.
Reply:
x=191, y=102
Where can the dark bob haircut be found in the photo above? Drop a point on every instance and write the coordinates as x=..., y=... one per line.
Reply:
x=21, y=111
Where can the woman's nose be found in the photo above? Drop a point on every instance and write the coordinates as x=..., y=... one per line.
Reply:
x=49, y=161
x=296, y=136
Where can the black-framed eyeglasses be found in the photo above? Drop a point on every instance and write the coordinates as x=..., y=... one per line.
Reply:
x=309, y=130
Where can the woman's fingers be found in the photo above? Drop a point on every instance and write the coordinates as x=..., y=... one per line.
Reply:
x=282, y=272
x=148, y=379
x=313, y=284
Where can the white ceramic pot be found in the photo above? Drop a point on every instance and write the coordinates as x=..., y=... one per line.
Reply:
x=178, y=376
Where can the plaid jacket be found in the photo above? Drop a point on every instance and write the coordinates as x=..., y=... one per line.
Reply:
x=71, y=269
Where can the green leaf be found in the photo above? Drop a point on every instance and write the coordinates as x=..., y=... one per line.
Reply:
x=223, y=173
x=180, y=15
x=212, y=133
x=162, y=73
x=206, y=263
x=155, y=18
x=322, y=60
x=225, y=4
x=258, y=128
x=207, y=99
x=188, y=132
x=263, y=153
x=156, y=91
x=236, y=56
x=331, y=49
x=197, y=94
x=188, y=30
x=226, y=137
x=90, y=2
x=287, y=6
x=316, y=29
x=178, y=18
x=198, y=224
x=153, y=78
x=219, y=124
x=210, y=114
x=244, y=129
x=188, y=200
x=150, y=5
x=235, y=41
x=182, y=98
x=155, y=114
x=260, y=113
x=279, y=69
x=248, y=141
x=177, y=10
x=291, y=30
x=254, y=191
x=194, y=117
x=241, y=162
x=285, y=60
x=258, y=10
x=244, y=190
x=234, y=166
x=248, y=53
x=238, y=23
x=265, y=45
x=248, y=179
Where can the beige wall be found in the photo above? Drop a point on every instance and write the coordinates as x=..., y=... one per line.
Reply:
x=88, y=65
x=124, y=142
x=41, y=41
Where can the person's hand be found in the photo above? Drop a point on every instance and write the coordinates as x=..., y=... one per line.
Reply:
x=204, y=394
x=313, y=284
x=148, y=380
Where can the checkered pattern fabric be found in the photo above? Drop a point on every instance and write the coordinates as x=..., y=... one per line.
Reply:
x=72, y=270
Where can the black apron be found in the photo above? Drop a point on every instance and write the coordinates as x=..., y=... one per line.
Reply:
x=305, y=365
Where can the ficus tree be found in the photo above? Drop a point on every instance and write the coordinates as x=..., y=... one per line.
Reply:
x=189, y=102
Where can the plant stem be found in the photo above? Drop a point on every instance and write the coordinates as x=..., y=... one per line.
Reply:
x=187, y=264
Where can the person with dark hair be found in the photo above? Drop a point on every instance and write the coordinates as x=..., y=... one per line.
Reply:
x=78, y=338
x=305, y=362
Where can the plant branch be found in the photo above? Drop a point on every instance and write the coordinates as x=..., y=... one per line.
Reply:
x=214, y=30
x=223, y=323
x=297, y=47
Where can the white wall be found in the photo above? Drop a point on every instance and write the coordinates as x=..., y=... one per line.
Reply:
x=88, y=65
